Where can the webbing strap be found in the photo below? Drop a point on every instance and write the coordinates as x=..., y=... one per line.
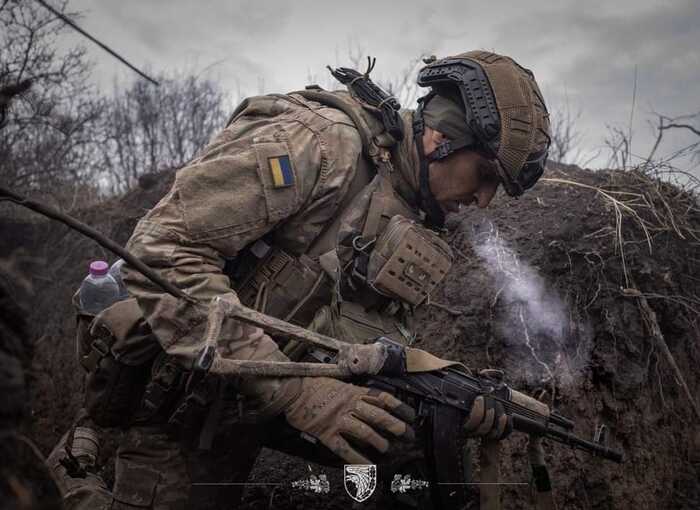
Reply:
x=369, y=148
x=374, y=215
x=379, y=155
x=326, y=240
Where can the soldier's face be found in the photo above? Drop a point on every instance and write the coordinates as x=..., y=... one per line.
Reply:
x=463, y=178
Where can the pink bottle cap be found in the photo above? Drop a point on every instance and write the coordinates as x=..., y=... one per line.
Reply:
x=99, y=268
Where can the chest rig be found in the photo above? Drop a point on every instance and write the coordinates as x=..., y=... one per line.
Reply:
x=364, y=273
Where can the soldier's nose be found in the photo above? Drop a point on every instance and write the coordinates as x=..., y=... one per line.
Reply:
x=485, y=194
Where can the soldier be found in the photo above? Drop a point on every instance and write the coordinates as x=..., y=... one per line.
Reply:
x=304, y=205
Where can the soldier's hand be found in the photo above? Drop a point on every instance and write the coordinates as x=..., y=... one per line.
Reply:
x=339, y=414
x=488, y=418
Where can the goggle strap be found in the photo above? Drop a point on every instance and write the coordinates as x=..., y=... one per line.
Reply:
x=434, y=215
x=448, y=147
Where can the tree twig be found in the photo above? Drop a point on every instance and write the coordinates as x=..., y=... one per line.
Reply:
x=109, y=50
x=101, y=239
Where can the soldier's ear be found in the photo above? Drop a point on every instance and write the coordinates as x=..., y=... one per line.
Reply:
x=437, y=137
x=431, y=139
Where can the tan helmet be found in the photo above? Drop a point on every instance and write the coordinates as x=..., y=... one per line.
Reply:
x=505, y=113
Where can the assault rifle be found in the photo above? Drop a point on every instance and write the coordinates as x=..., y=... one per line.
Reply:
x=441, y=392
x=443, y=399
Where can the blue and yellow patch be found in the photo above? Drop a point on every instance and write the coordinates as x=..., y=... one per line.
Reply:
x=281, y=170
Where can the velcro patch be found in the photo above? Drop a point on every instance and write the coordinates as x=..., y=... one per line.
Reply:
x=281, y=192
x=281, y=171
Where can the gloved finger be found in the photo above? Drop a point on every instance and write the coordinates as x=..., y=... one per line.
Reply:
x=501, y=421
x=342, y=449
x=489, y=419
x=380, y=420
x=391, y=403
x=360, y=431
x=476, y=415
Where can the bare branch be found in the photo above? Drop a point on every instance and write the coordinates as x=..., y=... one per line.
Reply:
x=565, y=136
x=109, y=50
x=665, y=123
x=147, y=130
x=682, y=126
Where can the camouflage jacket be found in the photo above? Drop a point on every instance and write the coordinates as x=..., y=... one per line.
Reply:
x=284, y=163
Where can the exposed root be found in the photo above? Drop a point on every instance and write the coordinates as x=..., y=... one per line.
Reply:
x=680, y=300
x=652, y=324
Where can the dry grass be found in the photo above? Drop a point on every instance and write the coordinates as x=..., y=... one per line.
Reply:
x=655, y=206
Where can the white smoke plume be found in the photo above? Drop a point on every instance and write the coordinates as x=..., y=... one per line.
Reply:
x=531, y=314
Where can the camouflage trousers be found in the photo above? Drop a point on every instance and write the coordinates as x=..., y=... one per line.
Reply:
x=155, y=471
x=87, y=492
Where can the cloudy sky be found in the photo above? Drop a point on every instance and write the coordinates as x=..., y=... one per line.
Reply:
x=585, y=56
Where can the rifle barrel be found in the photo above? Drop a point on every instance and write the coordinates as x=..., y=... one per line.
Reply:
x=529, y=426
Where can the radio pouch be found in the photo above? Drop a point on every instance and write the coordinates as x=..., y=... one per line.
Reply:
x=408, y=261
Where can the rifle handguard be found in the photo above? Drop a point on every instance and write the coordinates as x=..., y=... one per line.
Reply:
x=529, y=402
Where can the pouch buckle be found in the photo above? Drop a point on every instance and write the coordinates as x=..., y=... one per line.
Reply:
x=359, y=244
x=99, y=349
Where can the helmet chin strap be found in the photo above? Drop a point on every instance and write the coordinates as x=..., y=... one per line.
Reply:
x=435, y=216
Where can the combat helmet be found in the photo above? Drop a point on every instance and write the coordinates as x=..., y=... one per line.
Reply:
x=505, y=116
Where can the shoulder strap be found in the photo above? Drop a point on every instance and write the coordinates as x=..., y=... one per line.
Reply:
x=376, y=141
x=326, y=240
x=376, y=147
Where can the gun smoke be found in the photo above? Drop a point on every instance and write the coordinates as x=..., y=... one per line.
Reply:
x=530, y=315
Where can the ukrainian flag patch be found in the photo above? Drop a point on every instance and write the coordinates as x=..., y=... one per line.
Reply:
x=281, y=170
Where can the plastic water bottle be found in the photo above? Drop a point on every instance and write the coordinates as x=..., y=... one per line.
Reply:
x=98, y=290
x=115, y=272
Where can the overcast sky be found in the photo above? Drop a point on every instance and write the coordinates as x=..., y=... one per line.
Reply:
x=587, y=54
